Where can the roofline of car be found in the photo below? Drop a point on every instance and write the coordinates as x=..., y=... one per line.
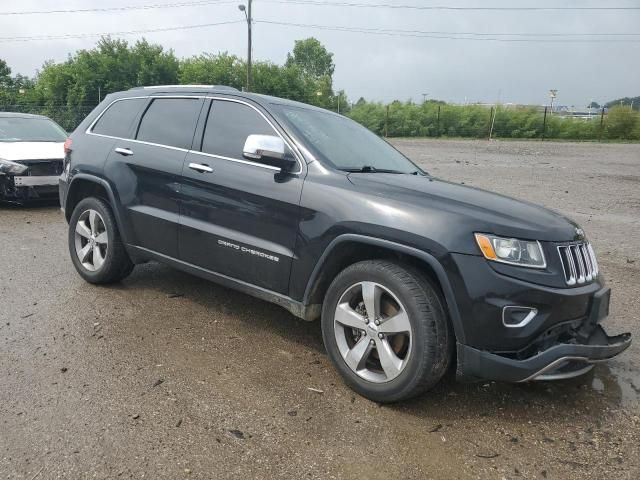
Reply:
x=177, y=90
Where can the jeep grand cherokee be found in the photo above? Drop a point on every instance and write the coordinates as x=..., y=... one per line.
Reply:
x=305, y=208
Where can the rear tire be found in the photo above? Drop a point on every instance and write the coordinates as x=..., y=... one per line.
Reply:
x=95, y=246
x=404, y=348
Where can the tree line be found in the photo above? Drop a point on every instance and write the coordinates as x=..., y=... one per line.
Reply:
x=439, y=119
x=69, y=90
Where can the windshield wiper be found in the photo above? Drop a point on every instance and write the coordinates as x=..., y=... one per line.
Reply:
x=370, y=169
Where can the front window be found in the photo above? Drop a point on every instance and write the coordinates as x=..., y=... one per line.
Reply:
x=228, y=126
x=25, y=129
x=343, y=143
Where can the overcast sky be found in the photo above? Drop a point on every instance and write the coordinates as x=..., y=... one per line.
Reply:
x=374, y=66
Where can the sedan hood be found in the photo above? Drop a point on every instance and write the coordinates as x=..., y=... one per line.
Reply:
x=480, y=210
x=31, y=150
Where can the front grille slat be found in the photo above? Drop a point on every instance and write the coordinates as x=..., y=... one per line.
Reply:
x=581, y=269
x=594, y=262
x=587, y=262
x=578, y=263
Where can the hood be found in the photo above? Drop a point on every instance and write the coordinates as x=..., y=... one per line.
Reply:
x=480, y=210
x=31, y=150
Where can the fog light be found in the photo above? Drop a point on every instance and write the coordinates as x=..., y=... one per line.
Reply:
x=518, y=317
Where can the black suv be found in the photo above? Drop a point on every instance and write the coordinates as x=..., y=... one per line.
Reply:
x=307, y=209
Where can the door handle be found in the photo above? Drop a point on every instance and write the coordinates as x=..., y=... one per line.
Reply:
x=198, y=167
x=124, y=151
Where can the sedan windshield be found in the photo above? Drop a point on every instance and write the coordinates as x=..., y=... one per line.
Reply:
x=24, y=129
x=343, y=143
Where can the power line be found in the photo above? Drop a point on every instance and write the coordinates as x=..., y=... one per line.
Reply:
x=495, y=37
x=444, y=7
x=480, y=34
x=123, y=8
x=448, y=35
x=104, y=34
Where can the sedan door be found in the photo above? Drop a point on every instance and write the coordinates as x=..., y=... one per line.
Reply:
x=147, y=170
x=239, y=217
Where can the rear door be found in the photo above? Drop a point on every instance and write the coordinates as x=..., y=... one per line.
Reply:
x=239, y=218
x=147, y=171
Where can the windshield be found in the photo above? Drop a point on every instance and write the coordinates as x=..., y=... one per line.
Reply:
x=343, y=143
x=23, y=129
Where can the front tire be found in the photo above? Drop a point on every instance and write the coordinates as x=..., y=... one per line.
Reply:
x=95, y=246
x=386, y=330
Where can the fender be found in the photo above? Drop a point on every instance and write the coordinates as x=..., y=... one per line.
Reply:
x=112, y=198
x=437, y=267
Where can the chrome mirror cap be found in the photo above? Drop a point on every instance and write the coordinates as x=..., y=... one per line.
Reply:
x=258, y=146
x=269, y=150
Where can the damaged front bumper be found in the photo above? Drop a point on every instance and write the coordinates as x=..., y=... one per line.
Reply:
x=573, y=353
x=16, y=188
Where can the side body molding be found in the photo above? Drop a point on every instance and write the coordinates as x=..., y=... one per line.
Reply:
x=437, y=267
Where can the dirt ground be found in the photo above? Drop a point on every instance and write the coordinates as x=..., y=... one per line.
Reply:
x=169, y=376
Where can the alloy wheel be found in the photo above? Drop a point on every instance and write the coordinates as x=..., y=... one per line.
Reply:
x=91, y=240
x=373, y=332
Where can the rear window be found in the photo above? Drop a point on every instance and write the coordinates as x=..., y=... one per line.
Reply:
x=170, y=121
x=117, y=120
x=22, y=129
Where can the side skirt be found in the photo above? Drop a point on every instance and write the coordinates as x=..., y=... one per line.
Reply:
x=298, y=309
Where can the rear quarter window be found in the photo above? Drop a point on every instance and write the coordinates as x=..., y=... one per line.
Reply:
x=117, y=120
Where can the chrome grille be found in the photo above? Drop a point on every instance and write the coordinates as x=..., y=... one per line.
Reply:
x=578, y=263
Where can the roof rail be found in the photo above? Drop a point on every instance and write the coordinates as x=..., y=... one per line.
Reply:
x=217, y=87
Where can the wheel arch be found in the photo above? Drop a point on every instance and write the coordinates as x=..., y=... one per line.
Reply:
x=348, y=249
x=83, y=186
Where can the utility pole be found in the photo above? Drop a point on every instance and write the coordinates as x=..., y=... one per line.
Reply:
x=249, y=20
x=544, y=123
x=247, y=13
x=601, y=125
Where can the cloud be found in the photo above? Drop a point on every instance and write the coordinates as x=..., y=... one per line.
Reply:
x=375, y=66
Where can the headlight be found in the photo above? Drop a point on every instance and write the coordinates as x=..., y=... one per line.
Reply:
x=524, y=253
x=7, y=166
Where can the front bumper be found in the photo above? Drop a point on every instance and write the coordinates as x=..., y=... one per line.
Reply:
x=564, y=360
x=561, y=338
x=569, y=357
x=20, y=189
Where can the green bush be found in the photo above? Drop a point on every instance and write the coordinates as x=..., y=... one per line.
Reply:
x=407, y=119
x=622, y=123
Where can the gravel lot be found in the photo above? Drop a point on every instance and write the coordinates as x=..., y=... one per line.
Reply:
x=169, y=376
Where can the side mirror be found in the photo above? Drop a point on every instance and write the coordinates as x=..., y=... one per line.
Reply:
x=270, y=150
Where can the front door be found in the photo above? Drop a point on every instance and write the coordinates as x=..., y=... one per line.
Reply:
x=239, y=218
